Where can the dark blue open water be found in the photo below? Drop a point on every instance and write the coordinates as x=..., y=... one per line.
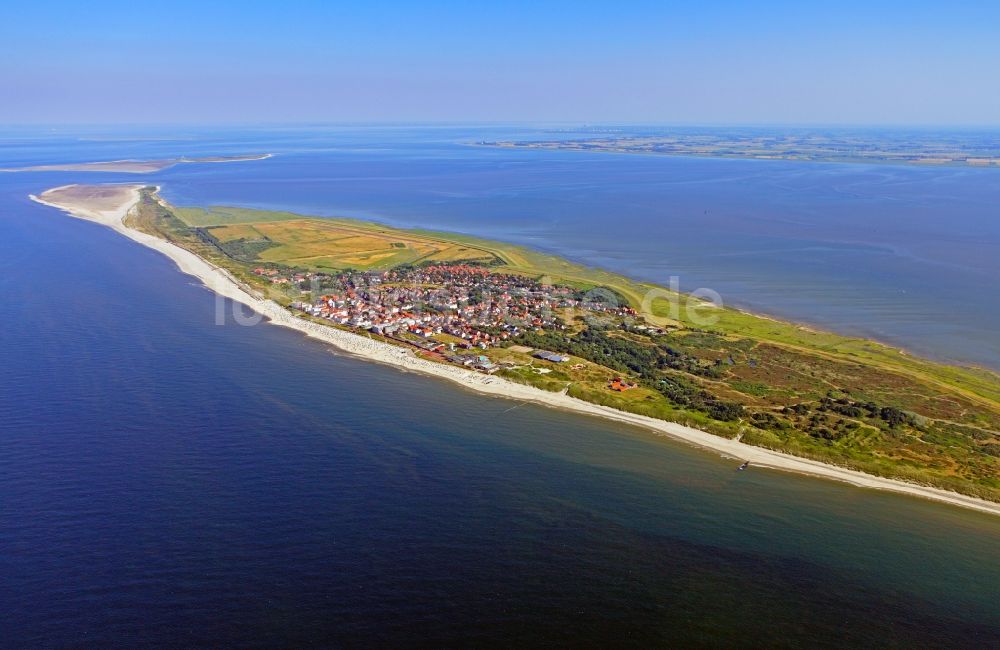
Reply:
x=166, y=481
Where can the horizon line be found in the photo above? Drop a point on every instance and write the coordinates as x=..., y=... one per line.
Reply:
x=578, y=124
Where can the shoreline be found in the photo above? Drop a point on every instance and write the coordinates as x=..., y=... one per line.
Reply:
x=925, y=164
x=220, y=282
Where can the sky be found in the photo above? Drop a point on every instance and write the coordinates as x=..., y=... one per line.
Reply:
x=706, y=62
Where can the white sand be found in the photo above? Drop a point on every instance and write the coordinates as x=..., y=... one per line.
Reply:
x=74, y=200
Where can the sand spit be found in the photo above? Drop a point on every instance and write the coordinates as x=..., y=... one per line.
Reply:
x=134, y=166
x=109, y=204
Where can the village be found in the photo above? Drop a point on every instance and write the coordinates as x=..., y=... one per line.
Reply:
x=452, y=311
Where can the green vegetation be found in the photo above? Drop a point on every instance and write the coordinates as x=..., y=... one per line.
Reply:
x=222, y=216
x=156, y=218
x=841, y=400
x=290, y=241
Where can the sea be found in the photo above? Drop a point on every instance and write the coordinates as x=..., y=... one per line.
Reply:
x=169, y=481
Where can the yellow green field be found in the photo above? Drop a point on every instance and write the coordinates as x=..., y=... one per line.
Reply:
x=328, y=244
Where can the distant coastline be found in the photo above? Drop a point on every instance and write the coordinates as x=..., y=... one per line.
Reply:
x=109, y=205
x=135, y=166
x=807, y=147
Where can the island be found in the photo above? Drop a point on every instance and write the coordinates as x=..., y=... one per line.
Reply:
x=532, y=327
x=870, y=146
x=135, y=166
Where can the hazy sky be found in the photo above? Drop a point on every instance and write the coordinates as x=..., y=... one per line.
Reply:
x=702, y=62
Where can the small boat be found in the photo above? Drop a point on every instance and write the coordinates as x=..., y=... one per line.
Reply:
x=745, y=465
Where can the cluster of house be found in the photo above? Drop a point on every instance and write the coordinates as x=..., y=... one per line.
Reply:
x=620, y=385
x=474, y=361
x=479, y=307
x=443, y=308
x=280, y=277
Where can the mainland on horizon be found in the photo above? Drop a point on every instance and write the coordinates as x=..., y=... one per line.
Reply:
x=516, y=322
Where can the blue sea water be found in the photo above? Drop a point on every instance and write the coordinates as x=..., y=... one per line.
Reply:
x=165, y=481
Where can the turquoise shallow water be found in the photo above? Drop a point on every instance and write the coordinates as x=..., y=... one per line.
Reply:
x=166, y=481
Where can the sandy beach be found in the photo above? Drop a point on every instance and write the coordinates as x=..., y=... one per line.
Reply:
x=109, y=204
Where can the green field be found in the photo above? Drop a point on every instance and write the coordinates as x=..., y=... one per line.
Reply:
x=325, y=244
x=222, y=216
x=842, y=400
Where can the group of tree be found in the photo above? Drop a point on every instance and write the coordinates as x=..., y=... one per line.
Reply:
x=650, y=362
